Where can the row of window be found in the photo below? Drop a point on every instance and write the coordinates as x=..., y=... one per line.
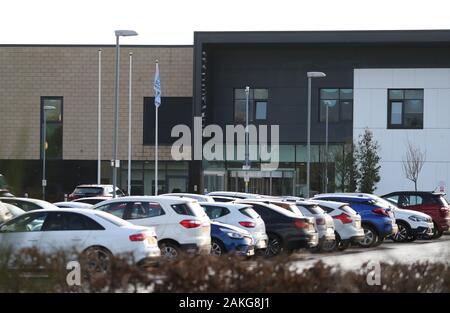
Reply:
x=405, y=106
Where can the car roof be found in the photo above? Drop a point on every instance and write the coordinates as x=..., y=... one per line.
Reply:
x=167, y=199
x=272, y=207
x=233, y=205
x=188, y=195
x=233, y=194
x=332, y=204
x=93, y=185
x=91, y=198
x=31, y=200
x=416, y=193
x=342, y=195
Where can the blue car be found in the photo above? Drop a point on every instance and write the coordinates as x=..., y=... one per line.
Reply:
x=377, y=219
x=230, y=239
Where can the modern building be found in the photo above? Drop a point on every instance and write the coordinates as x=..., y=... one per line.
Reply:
x=395, y=83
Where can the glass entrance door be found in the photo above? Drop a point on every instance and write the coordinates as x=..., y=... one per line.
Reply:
x=275, y=183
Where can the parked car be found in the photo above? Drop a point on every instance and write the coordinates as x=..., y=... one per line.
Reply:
x=378, y=221
x=9, y=211
x=287, y=231
x=324, y=224
x=239, y=215
x=181, y=223
x=83, y=191
x=91, y=200
x=28, y=204
x=199, y=198
x=233, y=194
x=223, y=199
x=95, y=235
x=229, y=239
x=433, y=204
x=411, y=224
x=347, y=223
x=73, y=205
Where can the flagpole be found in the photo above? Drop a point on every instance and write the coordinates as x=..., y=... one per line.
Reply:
x=157, y=89
x=129, y=125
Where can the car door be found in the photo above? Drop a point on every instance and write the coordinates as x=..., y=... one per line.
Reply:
x=23, y=232
x=66, y=231
x=149, y=214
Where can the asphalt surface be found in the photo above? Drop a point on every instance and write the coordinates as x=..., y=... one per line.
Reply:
x=390, y=252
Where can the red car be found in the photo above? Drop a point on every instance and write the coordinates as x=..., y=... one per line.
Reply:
x=432, y=203
x=85, y=191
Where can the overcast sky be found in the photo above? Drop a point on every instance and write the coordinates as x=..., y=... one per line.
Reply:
x=174, y=21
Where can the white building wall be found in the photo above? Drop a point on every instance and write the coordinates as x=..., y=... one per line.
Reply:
x=371, y=111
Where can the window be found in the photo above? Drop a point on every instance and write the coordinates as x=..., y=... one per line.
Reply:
x=339, y=103
x=51, y=116
x=182, y=209
x=214, y=212
x=65, y=221
x=116, y=208
x=25, y=223
x=140, y=210
x=257, y=105
x=405, y=108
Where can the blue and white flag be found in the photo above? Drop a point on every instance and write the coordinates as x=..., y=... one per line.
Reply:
x=157, y=87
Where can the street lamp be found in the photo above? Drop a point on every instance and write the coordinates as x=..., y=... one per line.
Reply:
x=310, y=76
x=328, y=104
x=44, y=146
x=115, y=164
x=247, y=165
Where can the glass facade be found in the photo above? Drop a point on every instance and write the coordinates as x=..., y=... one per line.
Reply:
x=288, y=179
x=405, y=108
x=52, y=112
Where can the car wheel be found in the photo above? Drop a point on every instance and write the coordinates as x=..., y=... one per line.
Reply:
x=436, y=232
x=96, y=261
x=379, y=241
x=370, y=237
x=274, y=246
x=217, y=247
x=169, y=250
x=403, y=234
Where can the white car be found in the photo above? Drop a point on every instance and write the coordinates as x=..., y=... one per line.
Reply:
x=347, y=222
x=411, y=224
x=239, y=215
x=233, y=194
x=28, y=204
x=181, y=224
x=94, y=234
x=324, y=224
x=9, y=211
x=199, y=198
x=72, y=205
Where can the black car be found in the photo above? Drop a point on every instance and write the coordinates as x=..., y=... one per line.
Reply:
x=286, y=230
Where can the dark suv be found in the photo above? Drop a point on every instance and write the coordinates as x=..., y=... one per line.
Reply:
x=85, y=191
x=432, y=203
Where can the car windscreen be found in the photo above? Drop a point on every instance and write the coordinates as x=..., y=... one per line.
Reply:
x=248, y=211
x=88, y=190
x=112, y=219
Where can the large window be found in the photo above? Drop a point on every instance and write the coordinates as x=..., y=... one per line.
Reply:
x=339, y=102
x=52, y=112
x=405, y=108
x=257, y=105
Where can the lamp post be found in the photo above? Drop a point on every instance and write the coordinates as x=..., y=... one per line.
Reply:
x=247, y=165
x=44, y=146
x=115, y=162
x=310, y=76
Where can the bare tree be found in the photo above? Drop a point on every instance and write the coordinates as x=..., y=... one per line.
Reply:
x=413, y=163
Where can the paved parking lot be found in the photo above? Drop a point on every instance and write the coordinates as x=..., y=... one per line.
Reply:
x=389, y=251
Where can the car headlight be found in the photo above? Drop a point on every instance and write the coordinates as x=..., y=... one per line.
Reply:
x=233, y=234
x=417, y=218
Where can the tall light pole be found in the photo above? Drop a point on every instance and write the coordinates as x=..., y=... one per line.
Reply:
x=115, y=162
x=310, y=76
x=247, y=165
x=99, y=122
x=44, y=146
x=129, y=125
